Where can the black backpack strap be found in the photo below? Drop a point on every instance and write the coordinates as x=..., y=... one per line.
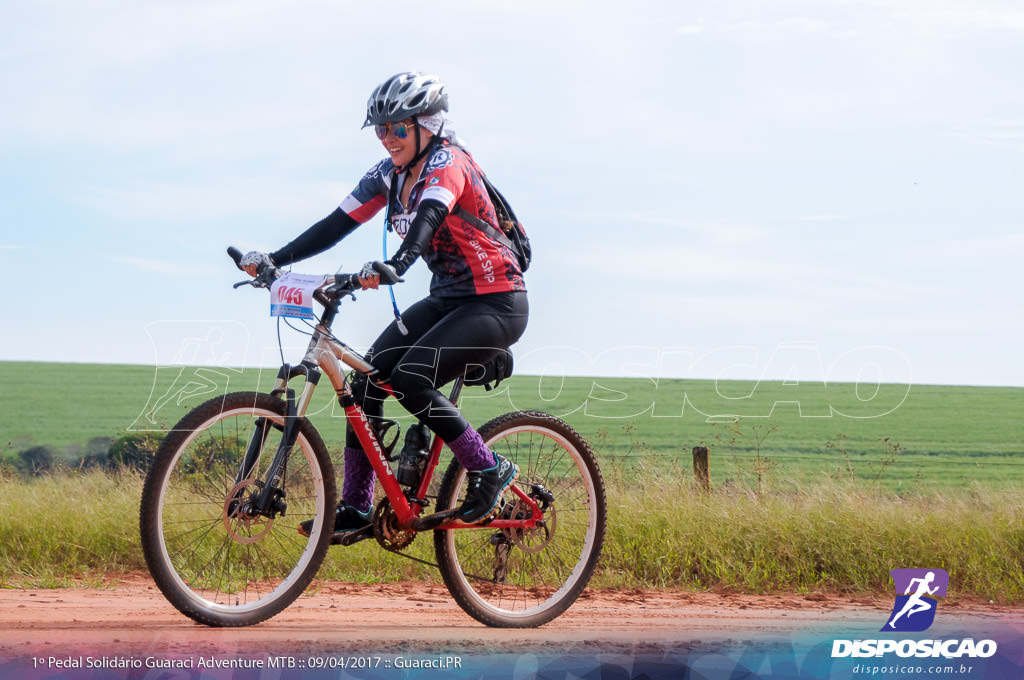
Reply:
x=489, y=229
x=392, y=192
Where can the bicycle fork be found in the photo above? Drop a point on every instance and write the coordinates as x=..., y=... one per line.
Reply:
x=269, y=500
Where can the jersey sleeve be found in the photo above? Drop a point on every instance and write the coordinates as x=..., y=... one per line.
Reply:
x=446, y=176
x=371, y=194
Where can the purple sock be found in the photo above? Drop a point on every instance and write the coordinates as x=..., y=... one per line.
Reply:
x=469, y=449
x=357, y=490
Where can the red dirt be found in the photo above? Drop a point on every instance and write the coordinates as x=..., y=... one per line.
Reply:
x=130, y=616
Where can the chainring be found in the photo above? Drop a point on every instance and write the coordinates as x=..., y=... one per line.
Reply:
x=387, y=531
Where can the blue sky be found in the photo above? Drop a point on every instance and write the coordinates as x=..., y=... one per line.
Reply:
x=827, y=190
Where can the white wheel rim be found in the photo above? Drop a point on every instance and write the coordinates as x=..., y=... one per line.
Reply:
x=586, y=548
x=319, y=503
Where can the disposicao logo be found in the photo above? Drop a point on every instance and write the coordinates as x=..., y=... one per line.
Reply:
x=914, y=610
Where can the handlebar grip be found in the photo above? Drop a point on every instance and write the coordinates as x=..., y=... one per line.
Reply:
x=235, y=255
x=387, y=275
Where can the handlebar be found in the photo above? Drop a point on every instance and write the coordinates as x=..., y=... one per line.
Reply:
x=343, y=284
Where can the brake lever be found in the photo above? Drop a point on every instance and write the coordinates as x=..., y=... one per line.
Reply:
x=264, y=279
x=337, y=292
x=342, y=287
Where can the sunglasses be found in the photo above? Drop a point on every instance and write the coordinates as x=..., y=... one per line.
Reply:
x=399, y=130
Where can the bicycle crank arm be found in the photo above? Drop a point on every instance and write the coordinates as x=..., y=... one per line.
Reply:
x=350, y=537
x=434, y=521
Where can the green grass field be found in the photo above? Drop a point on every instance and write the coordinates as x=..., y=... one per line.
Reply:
x=939, y=437
x=834, y=536
x=812, y=487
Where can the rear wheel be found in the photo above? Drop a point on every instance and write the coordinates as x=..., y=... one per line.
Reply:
x=216, y=560
x=524, y=578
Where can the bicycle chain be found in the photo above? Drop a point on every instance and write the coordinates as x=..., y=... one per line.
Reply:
x=396, y=540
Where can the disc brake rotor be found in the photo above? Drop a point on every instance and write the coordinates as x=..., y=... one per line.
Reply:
x=242, y=525
x=531, y=540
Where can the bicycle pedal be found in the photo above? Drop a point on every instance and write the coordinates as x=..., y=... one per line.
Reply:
x=350, y=537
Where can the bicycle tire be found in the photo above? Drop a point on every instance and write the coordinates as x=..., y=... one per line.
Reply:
x=213, y=566
x=533, y=576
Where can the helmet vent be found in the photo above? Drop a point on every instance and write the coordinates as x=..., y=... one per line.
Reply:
x=406, y=95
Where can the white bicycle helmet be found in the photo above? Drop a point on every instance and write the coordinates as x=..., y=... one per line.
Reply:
x=405, y=95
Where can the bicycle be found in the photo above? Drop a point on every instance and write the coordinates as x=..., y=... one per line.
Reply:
x=230, y=483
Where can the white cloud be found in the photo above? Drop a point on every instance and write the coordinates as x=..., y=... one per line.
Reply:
x=1000, y=134
x=151, y=266
x=803, y=25
x=958, y=17
x=9, y=251
x=820, y=218
x=140, y=76
x=734, y=164
x=666, y=264
x=271, y=198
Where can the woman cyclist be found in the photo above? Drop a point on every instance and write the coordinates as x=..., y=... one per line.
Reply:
x=477, y=304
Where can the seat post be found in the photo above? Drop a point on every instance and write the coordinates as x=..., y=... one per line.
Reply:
x=453, y=397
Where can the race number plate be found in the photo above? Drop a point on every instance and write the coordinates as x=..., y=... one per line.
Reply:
x=292, y=295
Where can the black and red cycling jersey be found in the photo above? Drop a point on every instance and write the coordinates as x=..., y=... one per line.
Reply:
x=463, y=259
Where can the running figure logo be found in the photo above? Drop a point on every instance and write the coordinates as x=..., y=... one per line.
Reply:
x=915, y=609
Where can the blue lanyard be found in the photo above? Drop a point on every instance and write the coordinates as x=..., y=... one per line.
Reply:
x=384, y=249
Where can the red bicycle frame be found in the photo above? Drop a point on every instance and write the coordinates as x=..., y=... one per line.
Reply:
x=329, y=355
x=408, y=512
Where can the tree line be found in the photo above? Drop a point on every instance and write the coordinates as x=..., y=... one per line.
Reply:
x=133, y=451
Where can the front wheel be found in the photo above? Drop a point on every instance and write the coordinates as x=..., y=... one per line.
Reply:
x=516, y=578
x=214, y=558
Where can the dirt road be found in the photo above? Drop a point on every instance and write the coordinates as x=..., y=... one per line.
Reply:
x=131, y=617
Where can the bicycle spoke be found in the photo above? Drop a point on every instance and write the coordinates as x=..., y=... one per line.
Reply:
x=214, y=555
x=525, y=577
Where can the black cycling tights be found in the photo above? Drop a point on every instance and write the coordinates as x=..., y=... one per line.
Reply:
x=445, y=336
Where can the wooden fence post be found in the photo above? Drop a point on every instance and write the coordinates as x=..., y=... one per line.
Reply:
x=701, y=471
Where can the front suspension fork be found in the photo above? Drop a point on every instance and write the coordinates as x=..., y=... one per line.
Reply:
x=269, y=500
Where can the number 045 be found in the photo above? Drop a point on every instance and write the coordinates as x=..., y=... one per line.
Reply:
x=289, y=295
